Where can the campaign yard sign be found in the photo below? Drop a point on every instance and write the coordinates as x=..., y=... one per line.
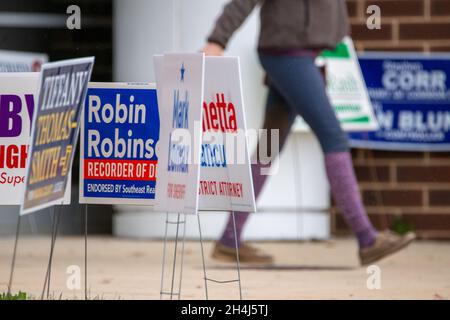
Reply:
x=179, y=81
x=18, y=61
x=411, y=98
x=119, y=133
x=225, y=173
x=17, y=97
x=346, y=89
x=62, y=91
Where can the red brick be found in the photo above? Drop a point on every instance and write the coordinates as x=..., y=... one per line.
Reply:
x=409, y=198
x=435, y=174
x=398, y=8
x=421, y=222
x=361, y=32
x=390, y=47
x=440, y=48
x=382, y=154
x=439, y=197
x=355, y=153
x=428, y=221
x=440, y=155
x=352, y=8
x=424, y=31
x=440, y=7
x=427, y=169
x=380, y=221
x=368, y=173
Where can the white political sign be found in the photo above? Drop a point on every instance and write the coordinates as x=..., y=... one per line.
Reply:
x=225, y=172
x=18, y=92
x=18, y=61
x=180, y=79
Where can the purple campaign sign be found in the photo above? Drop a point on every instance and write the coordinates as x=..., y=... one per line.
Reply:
x=10, y=109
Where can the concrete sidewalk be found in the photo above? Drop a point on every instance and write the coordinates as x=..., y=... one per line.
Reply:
x=128, y=269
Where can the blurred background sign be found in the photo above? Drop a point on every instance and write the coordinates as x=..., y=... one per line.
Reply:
x=411, y=97
x=19, y=61
x=346, y=89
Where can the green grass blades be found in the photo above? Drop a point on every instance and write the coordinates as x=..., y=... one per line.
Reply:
x=18, y=296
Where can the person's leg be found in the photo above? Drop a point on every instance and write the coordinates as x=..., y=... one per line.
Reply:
x=277, y=116
x=345, y=190
x=299, y=81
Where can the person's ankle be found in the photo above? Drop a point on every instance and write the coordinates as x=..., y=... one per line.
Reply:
x=366, y=238
x=229, y=243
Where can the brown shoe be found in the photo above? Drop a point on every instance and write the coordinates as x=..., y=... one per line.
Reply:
x=385, y=244
x=247, y=254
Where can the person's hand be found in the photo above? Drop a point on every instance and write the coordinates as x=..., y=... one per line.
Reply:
x=213, y=49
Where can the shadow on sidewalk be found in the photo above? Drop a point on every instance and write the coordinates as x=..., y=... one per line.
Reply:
x=281, y=267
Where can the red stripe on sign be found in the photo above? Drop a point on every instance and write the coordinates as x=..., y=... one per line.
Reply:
x=136, y=170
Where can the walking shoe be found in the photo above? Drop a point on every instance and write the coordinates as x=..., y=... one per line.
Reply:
x=386, y=243
x=247, y=254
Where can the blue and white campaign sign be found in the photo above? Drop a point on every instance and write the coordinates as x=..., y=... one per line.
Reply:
x=18, y=93
x=225, y=173
x=411, y=98
x=179, y=80
x=119, y=133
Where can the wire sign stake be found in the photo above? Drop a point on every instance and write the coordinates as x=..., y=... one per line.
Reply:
x=238, y=266
x=172, y=291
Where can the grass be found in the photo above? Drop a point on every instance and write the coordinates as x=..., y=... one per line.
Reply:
x=17, y=296
x=400, y=226
x=24, y=296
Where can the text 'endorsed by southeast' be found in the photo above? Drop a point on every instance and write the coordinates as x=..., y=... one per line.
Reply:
x=55, y=124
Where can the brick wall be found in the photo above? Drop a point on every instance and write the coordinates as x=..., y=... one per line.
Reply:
x=399, y=187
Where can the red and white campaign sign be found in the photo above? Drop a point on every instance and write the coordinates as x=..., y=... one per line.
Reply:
x=17, y=100
x=225, y=173
x=179, y=83
x=203, y=149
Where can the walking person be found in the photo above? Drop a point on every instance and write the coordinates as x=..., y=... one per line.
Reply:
x=293, y=33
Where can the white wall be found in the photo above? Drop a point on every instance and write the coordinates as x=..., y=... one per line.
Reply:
x=143, y=28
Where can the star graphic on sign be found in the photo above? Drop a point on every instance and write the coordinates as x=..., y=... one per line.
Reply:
x=182, y=70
